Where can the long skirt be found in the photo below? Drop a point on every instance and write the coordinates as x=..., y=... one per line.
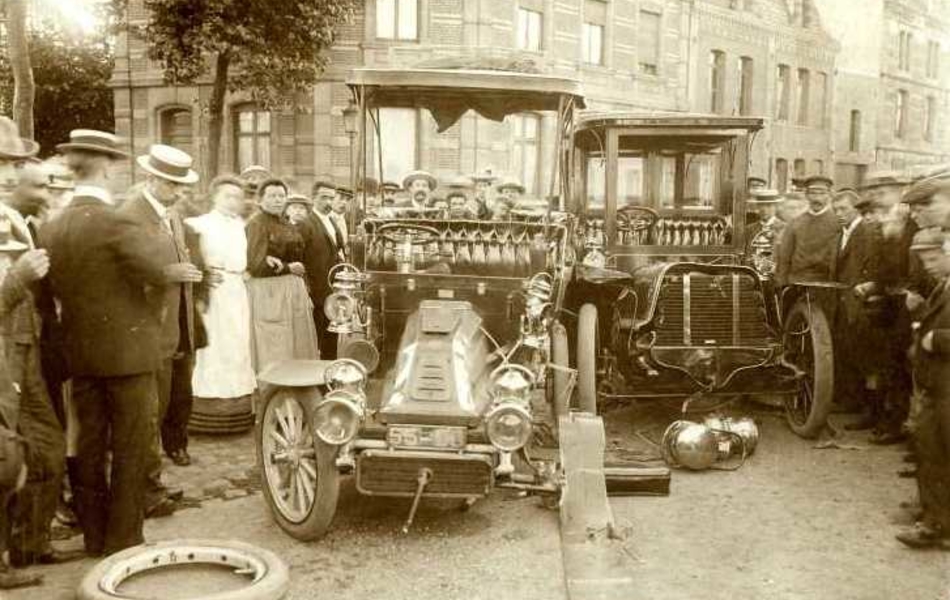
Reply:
x=281, y=321
x=223, y=368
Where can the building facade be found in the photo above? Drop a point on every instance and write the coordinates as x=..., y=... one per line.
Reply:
x=768, y=58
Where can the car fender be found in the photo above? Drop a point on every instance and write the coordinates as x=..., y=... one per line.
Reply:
x=295, y=373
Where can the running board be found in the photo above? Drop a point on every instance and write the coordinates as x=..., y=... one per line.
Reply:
x=596, y=564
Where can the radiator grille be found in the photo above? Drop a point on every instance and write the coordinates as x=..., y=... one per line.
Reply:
x=700, y=309
x=396, y=473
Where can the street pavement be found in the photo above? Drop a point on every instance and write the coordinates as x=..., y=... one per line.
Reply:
x=795, y=522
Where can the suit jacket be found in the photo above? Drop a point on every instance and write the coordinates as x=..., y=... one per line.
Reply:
x=21, y=324
x=13, y=293
x=859, y=261
x=932, y=368
x=175, y=301
x=320, y=255
x=101, y=265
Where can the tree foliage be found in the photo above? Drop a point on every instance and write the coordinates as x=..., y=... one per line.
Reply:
x=72, y=84
x=275, y=48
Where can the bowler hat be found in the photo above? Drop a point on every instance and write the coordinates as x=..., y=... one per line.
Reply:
x=12, y=146
x=93, y=140
x=168, y=163
x=928, y=239
x=408, y=179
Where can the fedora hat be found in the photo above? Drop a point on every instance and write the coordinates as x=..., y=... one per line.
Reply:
x=12, y=146
x=168, y=163
x=92, y=140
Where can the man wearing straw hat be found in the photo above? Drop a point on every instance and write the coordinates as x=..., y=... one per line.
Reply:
x=168, y=178
x=101, y=265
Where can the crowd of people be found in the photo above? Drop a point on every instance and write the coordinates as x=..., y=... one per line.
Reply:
x=886, y=247
x=117, y=310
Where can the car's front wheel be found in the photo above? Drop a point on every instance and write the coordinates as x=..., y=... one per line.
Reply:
x=808, y=346
x=300, y=479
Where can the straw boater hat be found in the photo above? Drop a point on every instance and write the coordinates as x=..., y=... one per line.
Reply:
x=485, y=175
x=761, y=196
x=92, y=140
x=254, y=170
x=299, y=199
x=168, y=163
x=457, y=186
x=12, y=146
x=511, y=183
x=755, y=182
x=408, y=179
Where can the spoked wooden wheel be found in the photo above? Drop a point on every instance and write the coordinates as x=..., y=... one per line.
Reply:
x=808, y=346
x=301, y=481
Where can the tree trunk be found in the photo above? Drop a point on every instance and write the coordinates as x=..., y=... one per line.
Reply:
x=19, y=49
x=216, y=108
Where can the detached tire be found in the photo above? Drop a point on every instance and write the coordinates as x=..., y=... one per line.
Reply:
x=269, y=576
x=299, y=476
x=808, y=345
x=587, y=350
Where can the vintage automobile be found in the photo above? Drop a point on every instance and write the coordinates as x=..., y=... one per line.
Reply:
x=684, y=305
x=452, y=364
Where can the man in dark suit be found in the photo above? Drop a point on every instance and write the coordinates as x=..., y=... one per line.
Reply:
x=324, y=244
x=101, y=266
x=169, y=174
x=857, y=266
x=932, y=377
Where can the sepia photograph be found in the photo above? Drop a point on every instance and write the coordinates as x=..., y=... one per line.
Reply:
x=474, y=299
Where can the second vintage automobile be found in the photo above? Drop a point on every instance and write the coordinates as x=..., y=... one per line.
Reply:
x=683, y=310
x=453, y=366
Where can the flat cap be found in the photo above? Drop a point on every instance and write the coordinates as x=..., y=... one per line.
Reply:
x=923, y=190
x=882, y=178
x=818, y=181
x=928, y=239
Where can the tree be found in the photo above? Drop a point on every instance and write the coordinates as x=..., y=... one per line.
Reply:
x=18, y=45
x=273, y=49
x=72, y=86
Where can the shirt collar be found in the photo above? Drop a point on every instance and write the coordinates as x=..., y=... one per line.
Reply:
x=93, y=191
x=820, y=212
x=853, y=225
x=160, y=210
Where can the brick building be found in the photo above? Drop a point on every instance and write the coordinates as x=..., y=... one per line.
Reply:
x=770, y=58
x=893, y=84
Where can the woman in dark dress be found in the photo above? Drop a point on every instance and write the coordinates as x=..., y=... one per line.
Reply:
x=281, y=311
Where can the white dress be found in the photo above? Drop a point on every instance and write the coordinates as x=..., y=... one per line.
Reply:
x=223, y=367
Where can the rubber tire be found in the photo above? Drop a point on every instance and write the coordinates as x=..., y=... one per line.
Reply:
x=587, y=350
x=272, y=586
x=824, y=371
x=560, y=401
x=316, y=524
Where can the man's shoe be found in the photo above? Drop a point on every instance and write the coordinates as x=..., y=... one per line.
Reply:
x=922, y=536
x=65, y=514
x=887, y=438
x=49, y=556
x=11, y=580
x=163, y=508
x=180, y=457
x=862, y=424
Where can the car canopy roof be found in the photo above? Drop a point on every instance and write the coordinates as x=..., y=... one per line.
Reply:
x=697, y=126
x=448, y=93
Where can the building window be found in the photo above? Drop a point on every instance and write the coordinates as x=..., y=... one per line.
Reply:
x=252, y=128
x=781, y=174
x=717, y=80
x=933, y=60
x=745, y=81
x=903, y=59
x=783, y=93
x=175, y=128
x=648, y=42
x=397, y=19
x=525, y=150
x=593, y=44
x=900, y=116
x=818, y=166
x=854, y=136
x=529, y=29
x=821, y=101
x=930, y=118
x=799, y=168
x=804, y=93
x=399, y=133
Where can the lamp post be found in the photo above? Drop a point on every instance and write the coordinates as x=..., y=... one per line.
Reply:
x=350, y=127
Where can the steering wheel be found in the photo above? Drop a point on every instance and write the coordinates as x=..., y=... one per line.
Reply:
x=636, y=218
x=400, y=233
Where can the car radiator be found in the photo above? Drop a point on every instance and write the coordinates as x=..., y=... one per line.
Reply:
x=701, y=309
x=396, y=473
